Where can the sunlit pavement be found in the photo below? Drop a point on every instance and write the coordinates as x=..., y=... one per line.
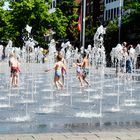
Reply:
x=104, y=135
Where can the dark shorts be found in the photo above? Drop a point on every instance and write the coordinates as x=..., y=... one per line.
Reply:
x=85, y=71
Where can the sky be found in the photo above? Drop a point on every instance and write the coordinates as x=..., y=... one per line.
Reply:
x=6, y=6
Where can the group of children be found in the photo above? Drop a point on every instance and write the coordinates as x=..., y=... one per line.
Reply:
x=82, y=70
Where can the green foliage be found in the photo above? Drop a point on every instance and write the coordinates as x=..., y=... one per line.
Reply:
x=129, y=26
x=31, y=12
x=130, y=16
x=69, y=9
x=73, y=32
x=3, y=21
x=90, y=30
x=64, y=21
x=130, y=19
x=59, y=23
x=1, y=4
x=112, y=27
x=111, y=38
x=111, y=33
x=36, y=14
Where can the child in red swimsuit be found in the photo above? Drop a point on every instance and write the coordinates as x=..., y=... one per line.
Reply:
x=14, y=65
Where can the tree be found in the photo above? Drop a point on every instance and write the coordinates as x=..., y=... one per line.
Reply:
x=69, y=9
x=3, y=21
x=90, y=29
x=130, y=19
x=36, y=14
x=31, y=12
x=110, y=39
x=59, y=24
x=129, y=26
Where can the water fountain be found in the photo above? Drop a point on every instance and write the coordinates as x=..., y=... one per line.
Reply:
x=98, y=58
x=108, y=102
x=118, y=57
x=1, y=52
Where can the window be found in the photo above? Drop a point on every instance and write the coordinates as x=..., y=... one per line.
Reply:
x=106, y=1
x=111, y=14
x=106, y=15
x=114, y=12
x=51, y=6
x=117, y=11
x=54, y=4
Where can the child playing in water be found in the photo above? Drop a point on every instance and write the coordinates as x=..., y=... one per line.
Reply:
x=58, y=66
x=85, y=68
x=79, y=71
x=63, y=70
x=14, y=65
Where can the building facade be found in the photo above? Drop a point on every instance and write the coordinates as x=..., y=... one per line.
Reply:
x=112, y=9
x=103, y=10
x=95, y=9
x=52, y=6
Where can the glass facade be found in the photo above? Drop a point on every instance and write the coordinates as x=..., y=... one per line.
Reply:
x=109, y=1
x=53, y=6
x=112, y=9
x=111, y=13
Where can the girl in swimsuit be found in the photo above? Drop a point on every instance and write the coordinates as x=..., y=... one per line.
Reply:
x=58, y=72
x=63, y=70
x=79, y=71
x=59, y=65
x=85, y=66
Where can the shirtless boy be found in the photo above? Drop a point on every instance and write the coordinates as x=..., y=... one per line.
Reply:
x=14, y=66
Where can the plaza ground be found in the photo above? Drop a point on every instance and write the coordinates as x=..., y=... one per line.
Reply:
x=125, y=134
x=118, y=134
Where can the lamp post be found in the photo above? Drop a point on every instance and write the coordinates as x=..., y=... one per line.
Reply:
x=119, y=20
x=83, y=26
x=83, y=16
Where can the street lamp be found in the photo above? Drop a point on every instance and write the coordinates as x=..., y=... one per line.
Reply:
x=119, y=20
x=83, y=21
